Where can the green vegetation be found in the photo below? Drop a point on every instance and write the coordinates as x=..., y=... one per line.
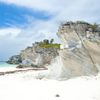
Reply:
x=51, y=41
x=82, y=22
x=33, y=65
x=46, y=41
x=49, y=44
x=94, y=27
x=57, y=46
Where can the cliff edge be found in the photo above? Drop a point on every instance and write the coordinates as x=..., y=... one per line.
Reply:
x=80, y=50
x=39, y=54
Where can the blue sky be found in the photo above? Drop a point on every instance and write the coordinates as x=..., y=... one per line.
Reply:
x=12, y=15
x=23, y=22
x=14, y=20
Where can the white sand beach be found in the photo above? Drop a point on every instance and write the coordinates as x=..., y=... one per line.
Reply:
x=25, y=86
x=4, y=69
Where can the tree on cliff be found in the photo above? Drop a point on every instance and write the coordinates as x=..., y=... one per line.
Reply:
x=94, y=27
x=46, y=41
x=51, y=41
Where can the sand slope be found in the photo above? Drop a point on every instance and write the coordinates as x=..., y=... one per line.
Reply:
x=24, y=86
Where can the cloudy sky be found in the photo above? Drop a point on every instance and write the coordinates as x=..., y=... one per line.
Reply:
x=24, y=21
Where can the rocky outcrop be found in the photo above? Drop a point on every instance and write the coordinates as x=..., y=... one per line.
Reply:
x=80, y=51
x=71, y=32
x=39, y=54
x=16, y=59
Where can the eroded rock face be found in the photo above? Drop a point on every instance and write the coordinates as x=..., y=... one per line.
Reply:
x=82, y=55
x=39, y=56
x=16, y=59
x=36, y=56
x=79, y=53
x=70, y=32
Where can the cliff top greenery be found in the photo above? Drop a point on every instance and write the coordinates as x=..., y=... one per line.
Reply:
x=48, y=44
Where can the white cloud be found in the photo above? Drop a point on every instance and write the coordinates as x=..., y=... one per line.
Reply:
x=10, y=43
x=11, y=32
x=64, y=9
x=35, y=4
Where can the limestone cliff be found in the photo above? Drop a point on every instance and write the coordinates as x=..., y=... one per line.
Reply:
x=80, y=50
x=16, y=59
x=79, y=53
x=38, y=55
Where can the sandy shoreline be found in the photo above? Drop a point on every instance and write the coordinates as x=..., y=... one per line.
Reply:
x=12, y=70
x=25, y=86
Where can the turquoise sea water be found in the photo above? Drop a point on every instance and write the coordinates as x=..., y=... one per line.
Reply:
x=4, y=64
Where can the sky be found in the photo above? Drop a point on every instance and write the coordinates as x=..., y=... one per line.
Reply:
x=22, y=22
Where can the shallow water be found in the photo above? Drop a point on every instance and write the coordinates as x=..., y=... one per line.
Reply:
x=4, y=65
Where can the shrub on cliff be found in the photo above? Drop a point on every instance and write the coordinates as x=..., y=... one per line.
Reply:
x=49, y=44
x=94, y=27
x=56, y=46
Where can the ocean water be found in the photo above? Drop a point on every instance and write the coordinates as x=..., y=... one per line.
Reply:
x=6, y=65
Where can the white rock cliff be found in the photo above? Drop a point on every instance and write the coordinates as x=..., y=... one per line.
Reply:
x=80, y=51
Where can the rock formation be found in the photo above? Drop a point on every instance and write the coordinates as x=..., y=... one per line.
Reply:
x=39, y=55
x=80, y=51
x=16, y=59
